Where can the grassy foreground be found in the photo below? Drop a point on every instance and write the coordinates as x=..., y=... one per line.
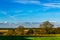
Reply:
x=13, y=38
x=27, y=38
x=44, y=38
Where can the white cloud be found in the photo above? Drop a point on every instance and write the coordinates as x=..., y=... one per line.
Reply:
x=14, y=16
x=27, y=1
x=3, y=12
x=5, y=22
x=53, y=5
x=47, y=6
x=37, y=2
x=52, y=21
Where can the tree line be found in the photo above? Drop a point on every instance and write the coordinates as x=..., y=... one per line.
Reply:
x=45, y=28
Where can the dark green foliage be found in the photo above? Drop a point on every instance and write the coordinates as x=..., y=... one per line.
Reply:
x=13, y=38
x=30, y=31
x=57, y=30
x=11, y=32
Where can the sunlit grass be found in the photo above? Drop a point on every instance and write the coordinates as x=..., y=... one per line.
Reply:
x=44, y=38
x=28, y=38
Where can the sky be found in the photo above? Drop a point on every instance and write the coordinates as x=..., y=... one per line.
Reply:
x=14, y=11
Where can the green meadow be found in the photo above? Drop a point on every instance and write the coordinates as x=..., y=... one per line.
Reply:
x=27, y=38
x=44, y=38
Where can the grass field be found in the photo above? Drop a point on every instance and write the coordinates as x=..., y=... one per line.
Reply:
x=27, y=38
x=44, y=38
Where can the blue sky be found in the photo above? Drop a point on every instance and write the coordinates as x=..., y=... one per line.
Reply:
x=29, y=10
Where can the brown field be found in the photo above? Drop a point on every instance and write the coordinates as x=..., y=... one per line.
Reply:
x=3, y=30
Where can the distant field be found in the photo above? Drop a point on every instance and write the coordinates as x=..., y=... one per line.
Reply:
x=3, y=30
